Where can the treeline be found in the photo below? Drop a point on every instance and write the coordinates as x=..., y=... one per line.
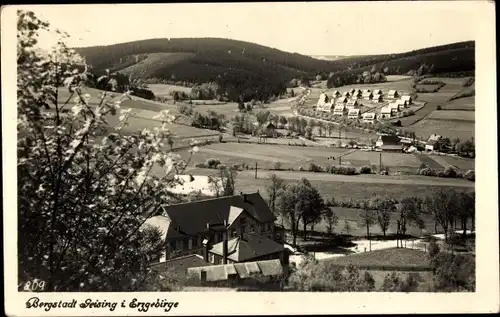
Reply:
x=250, y=71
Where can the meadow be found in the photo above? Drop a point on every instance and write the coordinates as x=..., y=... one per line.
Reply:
x=448, y=128
x=466, y=103
x=164, y=90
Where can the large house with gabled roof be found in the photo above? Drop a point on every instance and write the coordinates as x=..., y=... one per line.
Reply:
x=185, y=227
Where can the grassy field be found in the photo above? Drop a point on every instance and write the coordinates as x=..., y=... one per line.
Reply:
x=463, y=164
x=466, y=103
x=164, y=90
x=296, y=156
x=397, y=77
x=396, y=257
x=448, y=128
x=452, y=115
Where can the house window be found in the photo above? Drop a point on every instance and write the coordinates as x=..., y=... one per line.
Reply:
x=252, y=228
x=233, y=232
x=211, y=258
x=190, y=244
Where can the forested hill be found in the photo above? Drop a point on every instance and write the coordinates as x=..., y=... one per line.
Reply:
x=242, y=68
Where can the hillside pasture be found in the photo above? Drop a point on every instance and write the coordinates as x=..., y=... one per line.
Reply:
x=392, y=78
x=466, y=103
x=460, y=163
x=452, y=115
x=164, y=90
x=401, y=258
x=447, y=128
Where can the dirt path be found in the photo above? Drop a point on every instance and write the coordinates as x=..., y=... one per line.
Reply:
x=373, y=179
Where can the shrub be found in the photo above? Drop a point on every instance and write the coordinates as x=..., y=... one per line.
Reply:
x=427, y=172
x=315, y=168
x=439, y=107
x=365, y=170
x=343, y=170
x=470, y=175
x=450, y=172
x=212, y=163
x=301, y=169
x=422, y=166
x=236, y=167
x=277, y=166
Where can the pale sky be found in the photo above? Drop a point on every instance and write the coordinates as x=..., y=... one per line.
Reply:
x=320, y=28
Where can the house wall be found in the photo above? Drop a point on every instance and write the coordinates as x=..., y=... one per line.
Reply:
x=244, y=224
x=217, y=259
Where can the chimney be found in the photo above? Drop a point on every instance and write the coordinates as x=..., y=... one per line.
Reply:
x=245, y=198
x=205, y=249
x=224, y=247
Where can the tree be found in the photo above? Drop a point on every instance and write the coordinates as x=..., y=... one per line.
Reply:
x=309, y=133
x=347, y=227
x=320, y=126
x=273, y=189
x=467, y=209
x=241, y=106
x=85, y=188
x=223, y=183
x=444, y=145
x=287, y=207
x=262, y=117
x=283, y=120
x=292, y=93
x=329, y=128
x=454, y=143
x=392, y=283
x=384, y=207
x=366, y=217
x=171, y=143
x=331, y=220
x=442, y=205
x=249, y=107
x=409, y=209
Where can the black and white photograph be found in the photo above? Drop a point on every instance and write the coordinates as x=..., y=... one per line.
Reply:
x=163, y=153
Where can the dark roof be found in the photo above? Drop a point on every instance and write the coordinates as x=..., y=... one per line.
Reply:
x=243, y=270
x=247, y=247
x=192, y=218
x=390, y=139
x=432, y=142
x=270, y=125
x=179, y=265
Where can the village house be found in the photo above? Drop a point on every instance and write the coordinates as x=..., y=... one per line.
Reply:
x=369, y=117
x=339, y=110
x=353, y=114
x=385, y=112
x=389, y=143
x=352, y=91
x=323, y=98
x=185, y=226
x=395, y=107
x=357, y=92
x=377, y=92
x=327, y=107
x=367, y=95
x=336, y=94
x=342, y=100
x=346, y=94
x=352, y=103
x=377, y=98
x=392, y=94
x=432, y=142
x=407, y=99
x=401, y=103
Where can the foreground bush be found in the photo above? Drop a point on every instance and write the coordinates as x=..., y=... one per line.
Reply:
x=427, y=172
x=365, y=170
x=315, y=168
x=212, y=163
x=470, y=175
x=343, y=170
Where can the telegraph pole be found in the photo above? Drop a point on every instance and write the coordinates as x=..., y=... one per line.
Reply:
x=380, y=163
x=255, y=170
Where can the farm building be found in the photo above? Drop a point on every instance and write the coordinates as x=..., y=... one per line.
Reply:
x=367, y=95
x=342, y=100
x=377, y=92
x=346, y=94
x=353, y=114
x=389, y=143
x=323, y=98
x=339, y=110
x=369, y=117
x=385, y=112
x=327, y=107
x=377, y=98
x=407, y=99
x=392, y=94
x=432, y=142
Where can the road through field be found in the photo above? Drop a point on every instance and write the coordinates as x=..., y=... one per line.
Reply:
x=373, y=179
